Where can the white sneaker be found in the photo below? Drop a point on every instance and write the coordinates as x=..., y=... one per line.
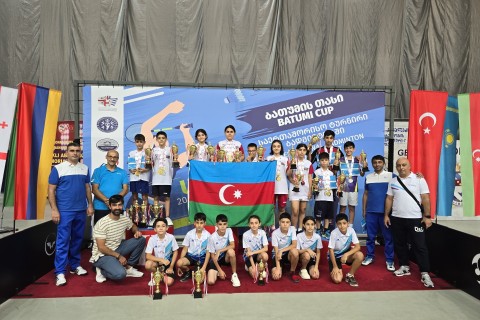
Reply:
x=100, y=277
x=304, y=274
x=402, y=271
x=235, y=280
x=60, y=280
x=132, y=272
x=79, y=271
x=169, y=221
x=427, y=282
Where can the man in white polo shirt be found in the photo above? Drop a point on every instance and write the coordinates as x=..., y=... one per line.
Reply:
x=407, y=220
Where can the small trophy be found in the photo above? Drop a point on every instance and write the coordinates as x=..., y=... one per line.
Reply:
x=261, y=273
x=192, y=150
x=363, y=161
x=237, y=154
x=143, y=212
x=221, y=155
x=314, y=139
x=197, y=276
x=158, y=276
x=155, y=209
x=211, y=151
x=297, y=180
x=148, y=157
x=293, y=161
x=341, y=184
x=315, y=183
x=260, y=152
x=175, y=162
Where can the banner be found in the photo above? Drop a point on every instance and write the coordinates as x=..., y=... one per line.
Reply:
x=237, y=190
x=8, y=103
x=425, y=132
x=33, y=142
x=65, y=134
x=469, y=113
x=113, y=115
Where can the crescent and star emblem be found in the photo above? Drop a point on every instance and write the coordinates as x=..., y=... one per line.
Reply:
x=427, y=115
x=477, y=157
x=221, y=194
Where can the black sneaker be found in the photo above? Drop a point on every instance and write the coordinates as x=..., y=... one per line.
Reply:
x=186, y=276
x=351, y=280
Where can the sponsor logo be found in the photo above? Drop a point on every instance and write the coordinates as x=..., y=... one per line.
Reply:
x=476, y=263
x=418, y=229
x=50, y=244
x=107, y=124
x=107, y=144
x=107, y=102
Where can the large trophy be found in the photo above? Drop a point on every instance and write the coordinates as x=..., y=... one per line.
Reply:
x=158, y=276
x=143, y=215
x=341, y=183
x=192, y=150
x=136, y=210
x=293, y=158
x=237, y=155
x=175, y=162
x=221, y=155
x=261, y=273
x=363, y=162
x=297, y=178
x=130, y=213
x=315, y=183
x=197, y=276
x=211, y=152
x=260, y=152
x=148, y=158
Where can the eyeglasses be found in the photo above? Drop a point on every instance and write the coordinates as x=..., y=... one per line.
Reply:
x=112, y=157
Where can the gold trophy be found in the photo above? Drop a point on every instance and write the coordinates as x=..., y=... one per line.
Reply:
x=148, y=157
x=363, y=161
x=341, y=184
x=297, y=180
x=314, y=139
x=211, y=151
x=130, y=213
x=158, y=276
x=261, y=273
x=192, y=150
x=143, y=210
x=260, y=152
x=221, y=155
x=197, y=276
x=155, y=209
x=293, y=161
x=315, y=183
x=237, y=154
x=175, y=162
x=136, y=208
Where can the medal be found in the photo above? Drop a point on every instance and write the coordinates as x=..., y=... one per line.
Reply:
x=328, y=193
x=350, y=179
x=278, y=178
x=161, y=171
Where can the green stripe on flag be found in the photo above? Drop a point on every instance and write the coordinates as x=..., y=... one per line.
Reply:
x=468, y=197
x=237, y=215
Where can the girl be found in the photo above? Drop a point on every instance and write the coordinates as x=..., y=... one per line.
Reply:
x=309, y=244
x=230, y=146
x=281, y=182
x=201, y=152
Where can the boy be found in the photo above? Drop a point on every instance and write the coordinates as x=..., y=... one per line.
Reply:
x=255, y=244
x=340, y=251
x=284, y=242
x=139, y=174
x=194, y=249
x=252, y=153
x=350, y=167
x=309, y=245
x=162, y=172
x=161, y=250
x=324, y=198
x=373, y=204
x=221, y=246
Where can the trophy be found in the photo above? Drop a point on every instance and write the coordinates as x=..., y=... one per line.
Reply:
x=313, y=140
x=260, y=152
x=211, y=151
x=130, y=213
x=293, y=162
x=297, y=180
x=148, y=157
x=175, y=162
x=155, y=209
x=363, y=161
x=143, y=214
x=237, y=154
x=315, y=182
x=261, y=273
x=136, y=208
x=221, y=155
x=158, y=276
x=192, y=150
x=197, y=276
x=341, y=184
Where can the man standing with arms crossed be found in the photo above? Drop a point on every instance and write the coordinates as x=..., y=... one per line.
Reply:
x=408, y=221
x=68, y=194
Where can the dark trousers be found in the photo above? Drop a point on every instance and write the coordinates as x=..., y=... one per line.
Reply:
x=405, y=230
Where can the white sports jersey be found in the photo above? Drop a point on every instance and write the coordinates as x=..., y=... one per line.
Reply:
x=217, y=242
x=314, y=243
x=230, y=147
x=197, y=248
x=281, y=181
x=139, y=157
x=162, y=171
x=162, y=248
x=304, y=167
x=341, y=243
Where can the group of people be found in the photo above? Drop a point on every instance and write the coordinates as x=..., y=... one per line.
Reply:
x=398, y=206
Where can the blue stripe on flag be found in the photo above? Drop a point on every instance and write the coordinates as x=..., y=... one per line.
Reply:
x=226, y=172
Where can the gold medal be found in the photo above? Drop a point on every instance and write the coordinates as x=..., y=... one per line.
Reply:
x=328, y=193
x=278, y=178
x=161, y=171
x=137, y=172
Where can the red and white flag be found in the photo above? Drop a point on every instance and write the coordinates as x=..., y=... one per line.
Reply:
x=8, y=102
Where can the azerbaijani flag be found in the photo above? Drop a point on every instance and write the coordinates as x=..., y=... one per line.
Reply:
x=32, y=145
x=237, y=190
x=8, y=104
x=446, y=170
x=469, y=113
x=425, y=132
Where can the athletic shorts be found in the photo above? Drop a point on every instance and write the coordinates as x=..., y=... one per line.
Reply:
x=139, y=187
x=349, y=198
x=281, y=200
x=324, y=210
x=171, y=275
x=193, y=261
x=221, y=261
x=161, y=190
x=310, y=263
x=284, y=259
x=247, y=260
x=339, y=264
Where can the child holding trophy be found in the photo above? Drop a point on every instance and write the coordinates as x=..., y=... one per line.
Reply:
x=161, y=251
x=162, y=172
x=281, y=182
x=301, y=179
x=200, y=151
x=138, y=165
x=309, y=244
x=351, y=169
x=233, y=149
x=324, y=185
x=255, y=244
